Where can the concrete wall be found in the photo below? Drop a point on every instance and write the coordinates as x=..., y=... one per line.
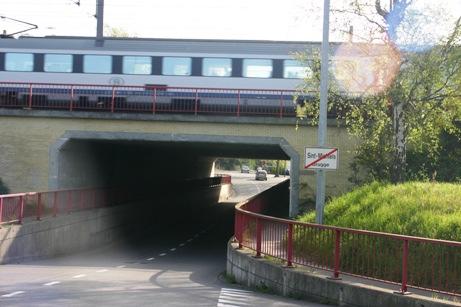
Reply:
x=262, y=274
x=26, y=138
x=62, y=235
x=82, y=230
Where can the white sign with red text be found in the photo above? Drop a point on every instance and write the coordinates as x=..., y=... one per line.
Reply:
x=321, y=158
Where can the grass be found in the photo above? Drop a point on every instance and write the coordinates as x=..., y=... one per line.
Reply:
x=422, y=209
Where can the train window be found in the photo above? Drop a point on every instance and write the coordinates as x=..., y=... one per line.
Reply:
x=217, y=67
x=19, y=62
x=137, y=65
x=97, y=64
x=58, y=63
x=257, y=68
x=176, y=66
x=293, y=69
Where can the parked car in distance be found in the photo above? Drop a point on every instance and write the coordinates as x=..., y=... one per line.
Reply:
x=261, y=175
x=245, y=169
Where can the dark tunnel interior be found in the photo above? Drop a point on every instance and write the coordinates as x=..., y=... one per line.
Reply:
x=169, y=207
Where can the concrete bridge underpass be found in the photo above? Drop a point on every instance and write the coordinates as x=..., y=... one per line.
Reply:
x=143, y=161
x=43, y=150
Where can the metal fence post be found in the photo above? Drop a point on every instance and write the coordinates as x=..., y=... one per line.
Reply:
x=337, y=253
x=154, y=101
x=55, y=204
x=29, y=103
x=1, y=211
x=281, y=104
x=196, y=102
x=39, y=204
x=290, y=246
x=238, y=103
x=21, y=209
x=259, y=232
x=404, y=267
x=112, y=102
x=71, y=105
x=237, y=231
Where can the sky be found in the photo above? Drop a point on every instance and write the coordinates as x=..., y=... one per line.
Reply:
x=292, y=20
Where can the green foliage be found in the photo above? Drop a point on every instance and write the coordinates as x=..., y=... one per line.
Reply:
x=3, y=188
x=424, y=209
x=426, y=86
x=272, y=166
x=228, y=164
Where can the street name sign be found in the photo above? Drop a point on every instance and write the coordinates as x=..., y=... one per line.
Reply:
x=321, y=158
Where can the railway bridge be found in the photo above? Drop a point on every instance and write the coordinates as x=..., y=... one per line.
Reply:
x=69, y=143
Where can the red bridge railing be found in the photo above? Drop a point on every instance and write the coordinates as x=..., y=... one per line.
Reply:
x=404, y=260
x=148, y=99
x=14, y=208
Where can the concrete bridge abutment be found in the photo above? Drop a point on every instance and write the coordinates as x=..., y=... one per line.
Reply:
x=42, y=150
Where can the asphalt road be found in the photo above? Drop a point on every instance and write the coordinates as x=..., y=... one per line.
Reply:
x=170, y=264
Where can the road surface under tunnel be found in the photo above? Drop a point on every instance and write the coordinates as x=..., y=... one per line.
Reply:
x=177, y=261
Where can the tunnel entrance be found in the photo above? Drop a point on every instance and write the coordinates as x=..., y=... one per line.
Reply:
x=82, y=158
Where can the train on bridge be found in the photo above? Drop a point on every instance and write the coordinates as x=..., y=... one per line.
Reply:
x=158, y=75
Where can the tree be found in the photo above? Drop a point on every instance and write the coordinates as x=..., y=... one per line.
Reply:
x=409, y=96
x=116, y=32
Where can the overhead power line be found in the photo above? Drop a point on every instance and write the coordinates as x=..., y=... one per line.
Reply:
x=5, y=34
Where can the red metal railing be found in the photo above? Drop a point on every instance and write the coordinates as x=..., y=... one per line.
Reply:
x=17, y=207
x=407, y=261
x=148, y=99
x=14, y=208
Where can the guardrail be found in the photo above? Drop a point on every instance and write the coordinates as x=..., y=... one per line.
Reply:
x=396, y=259
x=14, y=208
x=148, y=99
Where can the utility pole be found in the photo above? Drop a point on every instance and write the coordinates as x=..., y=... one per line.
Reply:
x=322, y=129
x=99, y=23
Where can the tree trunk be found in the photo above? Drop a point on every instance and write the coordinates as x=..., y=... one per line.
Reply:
x=400, y=144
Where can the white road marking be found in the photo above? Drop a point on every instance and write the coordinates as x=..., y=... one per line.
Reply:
x=190, y=240
x=163, y=254
x=172, y=249
x=79, y=276
x=102, y=271
x=233, y=298
x=182, y=244
x=150, y=259
x=52, y=283
x=257, y=186
x=13, y=294
x=196, y=235
x=121, y=266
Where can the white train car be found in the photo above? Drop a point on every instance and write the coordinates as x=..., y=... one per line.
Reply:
x=135, y=73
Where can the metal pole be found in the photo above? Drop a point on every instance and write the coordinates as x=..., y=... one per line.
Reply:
x=99, y=22
x=322, y=130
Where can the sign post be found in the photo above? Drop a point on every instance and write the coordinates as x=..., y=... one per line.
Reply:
x=322, y=130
